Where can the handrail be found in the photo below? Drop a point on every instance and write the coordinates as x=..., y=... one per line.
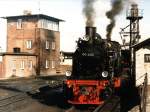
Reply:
x=143, y=94
x=141, y=76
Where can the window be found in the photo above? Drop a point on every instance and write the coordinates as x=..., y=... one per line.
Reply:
x=16, y=50
x=22, y=64
x=19, y=23
x=55, y=26
x=47, y=44
x=14, y=64
x=30, y=64
x=53, y=64
x=47, y=64
x=47, y=24
x=147, y=58
x=29, y=44
x=53, y=45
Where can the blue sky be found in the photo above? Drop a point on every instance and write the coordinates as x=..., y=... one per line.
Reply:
x=71, y=12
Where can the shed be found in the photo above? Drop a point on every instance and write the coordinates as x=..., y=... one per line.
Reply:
x=142, y=61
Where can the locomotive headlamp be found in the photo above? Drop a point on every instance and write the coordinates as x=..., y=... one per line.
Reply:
x=86, y=38
x=68, y=73
x=104, y=74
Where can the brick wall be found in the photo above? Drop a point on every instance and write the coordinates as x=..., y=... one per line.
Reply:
x=30, y=31
x=1, y=74
x=13, y=66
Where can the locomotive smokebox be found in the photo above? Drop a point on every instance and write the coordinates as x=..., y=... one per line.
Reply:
x=90, y=32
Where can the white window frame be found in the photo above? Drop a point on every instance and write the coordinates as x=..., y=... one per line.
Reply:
x=53, y=64
x=29, y=44
x=47, y=63
x=22, y=64
x=53, y=45
x=47, y=24
x=19, y=24
x=47, y=44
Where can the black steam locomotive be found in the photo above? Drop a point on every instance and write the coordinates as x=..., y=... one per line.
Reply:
x=96, y=70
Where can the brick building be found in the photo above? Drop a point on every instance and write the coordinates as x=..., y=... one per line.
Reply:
x=33, y=46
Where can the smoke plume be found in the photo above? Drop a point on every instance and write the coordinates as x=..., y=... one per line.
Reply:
x=89, y=11
x=117, y=6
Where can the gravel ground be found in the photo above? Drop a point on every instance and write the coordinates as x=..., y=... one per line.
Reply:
x=32, y=105
x=5, y=93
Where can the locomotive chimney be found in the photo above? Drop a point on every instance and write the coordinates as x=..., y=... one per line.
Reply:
x=90, y=32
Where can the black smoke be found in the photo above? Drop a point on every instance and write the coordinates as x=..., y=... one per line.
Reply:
x=89, y=11
x=117, y=6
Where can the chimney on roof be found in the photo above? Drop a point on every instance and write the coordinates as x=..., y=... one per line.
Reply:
x=27, y=12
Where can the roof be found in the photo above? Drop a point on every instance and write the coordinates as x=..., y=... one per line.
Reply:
x=67, y=55
x=40, y=16
x=17, y=54
x=142, y=44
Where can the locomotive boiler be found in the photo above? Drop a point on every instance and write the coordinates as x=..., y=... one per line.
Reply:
x=96, y=70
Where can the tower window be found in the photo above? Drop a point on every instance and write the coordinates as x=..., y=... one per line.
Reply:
x=29, y=44
x=19, y=23
x=47, y=64
x=53, y=64
x=53, y=46
x=47, y=44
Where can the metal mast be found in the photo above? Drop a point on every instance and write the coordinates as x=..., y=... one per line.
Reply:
x=134, y=15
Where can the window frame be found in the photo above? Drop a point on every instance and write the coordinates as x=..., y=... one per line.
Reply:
x=19, y=24
x=146, y=58
x=22, y=65
x=53, y=45
x=47, y=64
x=47, y=45
x=29, y=44
x=47, y=24
x=53, y=62
x=14, y=64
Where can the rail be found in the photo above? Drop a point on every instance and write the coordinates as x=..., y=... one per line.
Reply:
x=143, y=95
x=7, y=103
x=111, y=105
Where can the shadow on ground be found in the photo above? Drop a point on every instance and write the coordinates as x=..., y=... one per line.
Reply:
x=51, y=97
x=129, y=98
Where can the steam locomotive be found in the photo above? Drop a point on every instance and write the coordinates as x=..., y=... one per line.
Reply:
x=96, y=70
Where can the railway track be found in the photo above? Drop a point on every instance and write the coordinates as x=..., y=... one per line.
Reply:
x=7, y=103
x=111, y=105
x=24, y=92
